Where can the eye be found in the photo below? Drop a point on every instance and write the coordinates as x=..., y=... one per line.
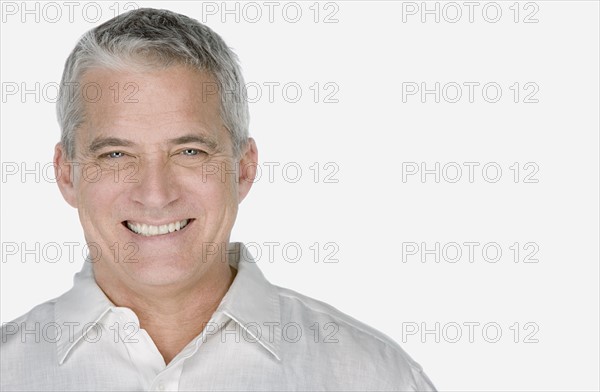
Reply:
x=190, y=152
x=115, y=154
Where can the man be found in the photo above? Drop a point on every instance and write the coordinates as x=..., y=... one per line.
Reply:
x=156, y=165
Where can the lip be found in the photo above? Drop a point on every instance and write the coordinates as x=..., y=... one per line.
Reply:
x=157, y=237
x=166, y=222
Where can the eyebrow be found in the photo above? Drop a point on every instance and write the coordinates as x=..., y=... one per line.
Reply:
x=192, y=138
x=102, y=142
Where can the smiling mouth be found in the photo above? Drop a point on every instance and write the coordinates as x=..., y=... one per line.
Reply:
x=151, y=230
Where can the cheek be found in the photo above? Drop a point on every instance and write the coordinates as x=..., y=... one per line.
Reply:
x=97, y=198
x=216, y=197
x=221, y=191
x=213, y=182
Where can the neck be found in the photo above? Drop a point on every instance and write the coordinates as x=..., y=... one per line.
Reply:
x=173, y=316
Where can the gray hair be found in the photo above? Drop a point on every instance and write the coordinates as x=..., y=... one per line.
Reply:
x=154, y=38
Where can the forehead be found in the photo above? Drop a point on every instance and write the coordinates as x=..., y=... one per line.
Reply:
x=150, y=105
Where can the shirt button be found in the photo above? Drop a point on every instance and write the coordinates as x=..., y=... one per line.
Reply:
x=161, y=386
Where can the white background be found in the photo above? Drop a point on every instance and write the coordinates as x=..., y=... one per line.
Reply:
x=370, y=134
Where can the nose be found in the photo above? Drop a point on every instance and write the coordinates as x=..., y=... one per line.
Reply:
x=156, y=186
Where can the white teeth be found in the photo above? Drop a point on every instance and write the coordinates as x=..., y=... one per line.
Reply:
x=149, y=230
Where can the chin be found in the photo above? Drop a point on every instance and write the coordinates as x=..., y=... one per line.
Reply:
x=160, y=274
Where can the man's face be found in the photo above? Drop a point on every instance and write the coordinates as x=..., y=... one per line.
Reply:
x=152, y=156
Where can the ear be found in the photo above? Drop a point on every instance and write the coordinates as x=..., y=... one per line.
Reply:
x=64, y=172
x=248, y=165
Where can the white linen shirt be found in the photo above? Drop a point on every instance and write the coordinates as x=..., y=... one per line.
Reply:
x=261, y=337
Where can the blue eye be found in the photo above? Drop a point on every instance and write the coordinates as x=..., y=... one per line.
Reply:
x=191, y=152
x=115, y=154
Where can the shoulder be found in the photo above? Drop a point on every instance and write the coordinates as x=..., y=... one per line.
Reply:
x=30, y=325
x=29, y=339
x=301, y=304
x=297, y=306
x=352, y=343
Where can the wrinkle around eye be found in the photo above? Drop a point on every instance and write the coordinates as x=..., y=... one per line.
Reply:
x=196, y=151
x=191, y=153
x=198, y=157
x=108, y=162
x=108, y=155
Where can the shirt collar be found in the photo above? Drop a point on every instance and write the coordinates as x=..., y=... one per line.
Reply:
x=250, y=300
